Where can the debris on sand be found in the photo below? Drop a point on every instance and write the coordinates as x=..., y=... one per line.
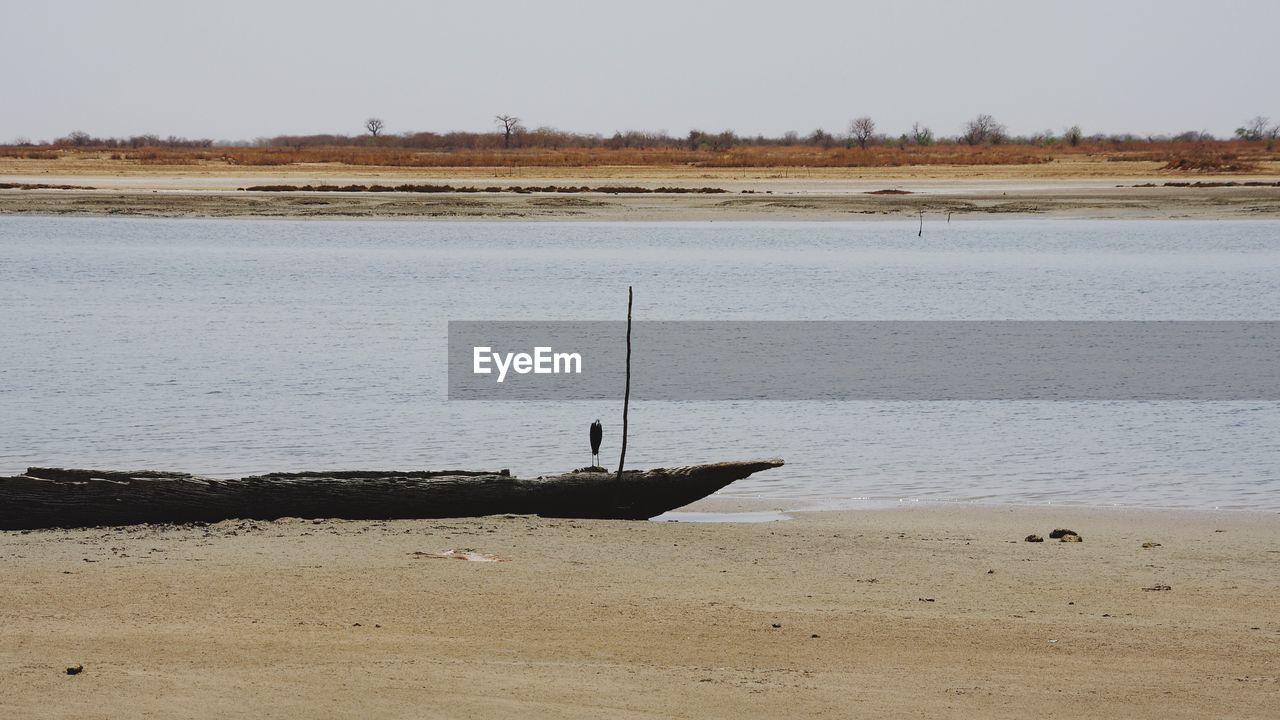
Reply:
x=1033, y=538
x=1071, y=538
x=519, y=189
x=42, y=186
x=1149, y=545
x=75, y=669
x=460, y=554
x=1156, y=588
x=1209, y=162
x=1061, y=533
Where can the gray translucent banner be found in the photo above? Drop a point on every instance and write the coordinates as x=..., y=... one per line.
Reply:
x=854, y=360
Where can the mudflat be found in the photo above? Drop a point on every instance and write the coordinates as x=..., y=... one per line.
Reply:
x=1068, y=187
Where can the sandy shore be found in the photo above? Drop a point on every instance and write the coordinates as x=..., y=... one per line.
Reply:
x=1072, y=189
x=927, y=611
x=1113, y=203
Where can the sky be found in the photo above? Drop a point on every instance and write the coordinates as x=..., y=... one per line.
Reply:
x=235, y=70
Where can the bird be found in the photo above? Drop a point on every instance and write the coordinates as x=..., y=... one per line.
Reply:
x=597, y=434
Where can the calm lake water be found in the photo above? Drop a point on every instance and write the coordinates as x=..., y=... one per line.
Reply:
x=228, y=347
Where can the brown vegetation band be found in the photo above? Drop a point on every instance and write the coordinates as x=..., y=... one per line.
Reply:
x=1210, y=184
x=42, y=186
x=522, y=189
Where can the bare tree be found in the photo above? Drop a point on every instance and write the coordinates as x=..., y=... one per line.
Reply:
x=374, y=126
x=510, y=126
x=1193, y=136
x=821, y=138
x=1073, y=135
x=862, y=130
x=1258, y=128
x=921, y=135
x=984, y=129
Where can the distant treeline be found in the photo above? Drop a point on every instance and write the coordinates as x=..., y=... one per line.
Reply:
x=982, y=141
x=511, y=134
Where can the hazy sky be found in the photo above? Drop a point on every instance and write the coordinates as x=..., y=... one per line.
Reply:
x=228, y=69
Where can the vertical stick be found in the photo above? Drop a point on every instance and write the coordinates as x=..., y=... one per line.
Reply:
x=921, y=233
x=626, y=397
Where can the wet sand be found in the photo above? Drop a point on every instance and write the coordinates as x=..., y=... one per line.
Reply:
x=922, y=611
x=1073, y=189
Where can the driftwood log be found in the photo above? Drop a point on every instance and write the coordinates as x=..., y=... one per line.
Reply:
x=54, y=497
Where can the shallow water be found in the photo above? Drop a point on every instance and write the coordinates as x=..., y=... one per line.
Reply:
x=228, y=347
x=753, y=516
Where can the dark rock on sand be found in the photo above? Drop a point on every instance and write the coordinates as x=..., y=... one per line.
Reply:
x=1061, y=533
x=1033, y=538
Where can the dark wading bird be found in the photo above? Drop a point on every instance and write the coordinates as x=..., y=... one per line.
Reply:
x=597, y=434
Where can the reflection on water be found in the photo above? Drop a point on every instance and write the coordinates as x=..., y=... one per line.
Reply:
x=753, y=516
x=234, y=346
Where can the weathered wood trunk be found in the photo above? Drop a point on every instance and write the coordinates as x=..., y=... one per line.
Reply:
x=53, y=497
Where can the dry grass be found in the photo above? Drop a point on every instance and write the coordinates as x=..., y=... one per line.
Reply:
x=1204, y=156
x=27, y=153
x=1210, y=157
